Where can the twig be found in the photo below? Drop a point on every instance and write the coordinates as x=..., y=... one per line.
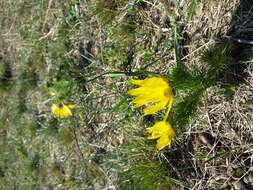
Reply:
x=78, y=147
x=240, y=40
x=46, y=16
x=137, y=73
x=153, y=62
x=197, y=50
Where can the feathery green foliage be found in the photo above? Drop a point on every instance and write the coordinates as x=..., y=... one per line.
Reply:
x=150, y=175
x=190, y=85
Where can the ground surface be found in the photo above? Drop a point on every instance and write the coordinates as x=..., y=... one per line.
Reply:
x=85, y=52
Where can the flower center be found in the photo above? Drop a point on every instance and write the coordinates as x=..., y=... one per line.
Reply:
x=167, y=93
x=60, y=105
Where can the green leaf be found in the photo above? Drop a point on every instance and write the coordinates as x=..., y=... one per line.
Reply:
x=191, y=9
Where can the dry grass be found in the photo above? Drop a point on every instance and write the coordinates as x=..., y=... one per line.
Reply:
x=214, y=152
x=217, y=146
x=211, y=22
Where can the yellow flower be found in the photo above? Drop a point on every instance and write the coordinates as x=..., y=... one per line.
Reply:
x=61, y=110
x=51, y=93
x=155, y=91
x=163, y=132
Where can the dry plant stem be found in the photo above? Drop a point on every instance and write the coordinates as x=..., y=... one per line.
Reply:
x=46, y=17
x=137, y=73
x=84, y=162
x=198, y=49
x=240, y=40
x=153, y=62
x=174, y=169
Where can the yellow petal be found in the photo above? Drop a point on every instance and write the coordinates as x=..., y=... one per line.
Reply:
x=154, y=81
x=65, y=111
x=57, y=113
x=155, y=108
x=142, y=100
x=61, y=110
x=71, y=106
x=61, y=113
x=162, y=142
x=154, y=134
x=163, y=132
x=139, y=91
x=154, y=92
x=138, y=102
x=55, y=110
x=136, y=82
x=150, y=81
x=157, y=130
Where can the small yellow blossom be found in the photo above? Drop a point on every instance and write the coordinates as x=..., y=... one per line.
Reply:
x=155, y=91
x=51, y=93
x=61, y=110
x=163, y=132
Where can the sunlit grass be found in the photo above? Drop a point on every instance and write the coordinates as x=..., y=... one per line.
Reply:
x=54, y=54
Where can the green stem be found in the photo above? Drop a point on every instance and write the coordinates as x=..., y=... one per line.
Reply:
x=168, y=111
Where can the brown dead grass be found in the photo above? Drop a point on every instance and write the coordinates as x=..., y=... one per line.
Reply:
x=219, y=142
x=226, y=139
x=211, y=22
x=221, y=139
